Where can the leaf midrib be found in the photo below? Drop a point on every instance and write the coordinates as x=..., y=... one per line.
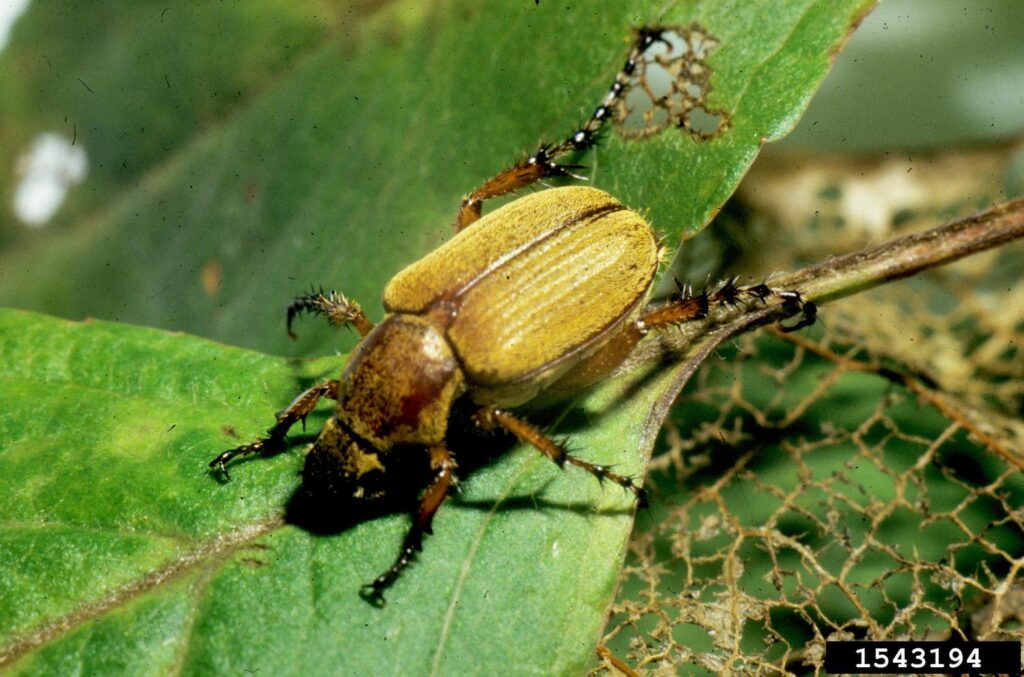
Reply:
x=467, y=561
x=208, y=552
x=24, y=525
x=119, y=395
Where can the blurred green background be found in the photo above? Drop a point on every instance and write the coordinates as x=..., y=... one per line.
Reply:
x=102, y=103
x=922, y=74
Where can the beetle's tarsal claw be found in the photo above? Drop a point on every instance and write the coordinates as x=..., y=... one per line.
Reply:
x=808, y=317
x=648, y=35
x=641, y=498
x=372, y=594
x=219, y=465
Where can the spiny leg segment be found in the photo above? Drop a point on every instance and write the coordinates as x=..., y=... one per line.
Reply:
x=274, y=441
x=443, y=465
x=544, y=163
x=490, y=418
x=337, y=308
x=686, y=306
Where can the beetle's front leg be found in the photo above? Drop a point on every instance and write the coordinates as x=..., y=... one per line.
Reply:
x=490, y=418
x=543, y=164
x=443, y=465
x=337, y=308
x=274, y=442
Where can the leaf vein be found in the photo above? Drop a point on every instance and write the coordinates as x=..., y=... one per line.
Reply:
x=216, y=549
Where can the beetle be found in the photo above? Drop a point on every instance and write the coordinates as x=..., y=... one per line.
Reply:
x=541, y=297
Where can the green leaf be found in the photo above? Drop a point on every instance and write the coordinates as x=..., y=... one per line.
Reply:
x=353, y=165
x=123, y=554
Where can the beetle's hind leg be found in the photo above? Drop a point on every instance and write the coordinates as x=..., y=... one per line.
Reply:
x=543, y=164
x=337, y=308
x=489, y=418
x=687, y=306
x=443, y=465
x=274, y=441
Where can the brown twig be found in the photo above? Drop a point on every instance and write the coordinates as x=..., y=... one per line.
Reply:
x=846, y=275
x=829, y=280
x=905, y=256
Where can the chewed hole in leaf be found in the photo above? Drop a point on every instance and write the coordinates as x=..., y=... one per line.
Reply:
x=703, y=123
x=670, y=86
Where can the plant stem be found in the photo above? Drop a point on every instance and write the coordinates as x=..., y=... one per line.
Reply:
x=905, y=256
x=845, y=275
x=831, y=279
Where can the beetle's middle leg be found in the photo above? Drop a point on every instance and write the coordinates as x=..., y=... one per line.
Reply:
x=337, y=308
x=490, y=417
x=543, y=164
x=274, y=441
x=443, y=465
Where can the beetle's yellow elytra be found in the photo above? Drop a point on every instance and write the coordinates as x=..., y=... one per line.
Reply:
x=534, y=283
x=496, y=237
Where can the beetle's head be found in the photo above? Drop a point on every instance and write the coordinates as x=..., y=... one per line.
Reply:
x=343, y=468
x=346, y=478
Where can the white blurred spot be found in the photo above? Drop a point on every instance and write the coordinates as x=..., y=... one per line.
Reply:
x=10, y=10
x=47, y=170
